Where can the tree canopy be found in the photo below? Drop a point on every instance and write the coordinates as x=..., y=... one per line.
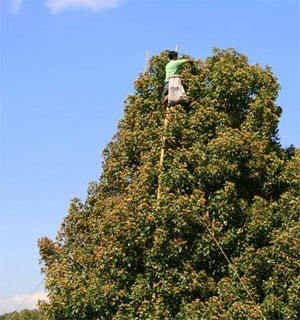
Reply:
x=222, y=239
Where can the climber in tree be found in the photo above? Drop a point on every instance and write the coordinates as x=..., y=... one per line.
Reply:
x=172, y=68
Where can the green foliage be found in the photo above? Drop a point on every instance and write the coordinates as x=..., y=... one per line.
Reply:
x=23, y=315
x=221, y=242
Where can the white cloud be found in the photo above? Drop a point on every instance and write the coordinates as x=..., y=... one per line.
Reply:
x=94, y=5
x=16, y=6
x=21, y=301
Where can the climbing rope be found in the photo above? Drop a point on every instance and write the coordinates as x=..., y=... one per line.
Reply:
x=26, y=298
x=231, y=266
x=162, y=153
x=161, y=162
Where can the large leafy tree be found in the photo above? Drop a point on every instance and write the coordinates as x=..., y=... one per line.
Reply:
x=221, y=241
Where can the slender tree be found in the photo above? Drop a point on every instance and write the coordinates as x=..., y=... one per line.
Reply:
x=221, y=241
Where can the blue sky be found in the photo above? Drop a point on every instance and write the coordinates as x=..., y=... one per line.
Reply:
x=66, y=68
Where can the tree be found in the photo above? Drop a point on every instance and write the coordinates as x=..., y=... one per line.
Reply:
x=221, y=240
x=22, y=315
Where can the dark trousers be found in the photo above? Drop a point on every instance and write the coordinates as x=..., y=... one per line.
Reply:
x=166, y=90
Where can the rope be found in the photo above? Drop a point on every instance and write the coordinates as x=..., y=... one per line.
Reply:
x=162, y=154
x=20, y=305
x=161, y=162
x=231, y=266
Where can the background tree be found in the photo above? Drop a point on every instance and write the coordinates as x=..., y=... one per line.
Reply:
x=23, y=315
x=221, y=241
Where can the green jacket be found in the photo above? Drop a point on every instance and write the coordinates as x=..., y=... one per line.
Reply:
x=172, y=67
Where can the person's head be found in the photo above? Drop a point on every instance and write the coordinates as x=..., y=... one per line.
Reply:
x=173, y=55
